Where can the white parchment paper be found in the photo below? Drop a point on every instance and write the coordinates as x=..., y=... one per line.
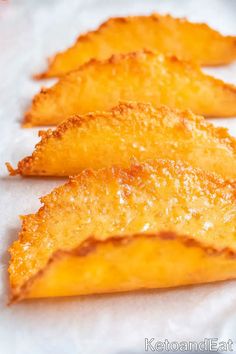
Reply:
x=30, y=31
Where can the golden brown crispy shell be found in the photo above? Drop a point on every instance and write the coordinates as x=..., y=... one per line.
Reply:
x=142, y=76
x=152, y=197
x=131, y=130
x=126, y=263
x=191, y=41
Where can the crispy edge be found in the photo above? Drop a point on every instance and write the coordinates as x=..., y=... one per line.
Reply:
x=127, y=175
x=121, y=110
x=28, y=120
x=112, y=60
x=88, y=35
x=90, y=245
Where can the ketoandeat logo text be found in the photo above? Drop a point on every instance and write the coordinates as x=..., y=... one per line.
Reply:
x=206, y=345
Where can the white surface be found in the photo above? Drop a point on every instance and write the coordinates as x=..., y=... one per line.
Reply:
x=29, y=32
